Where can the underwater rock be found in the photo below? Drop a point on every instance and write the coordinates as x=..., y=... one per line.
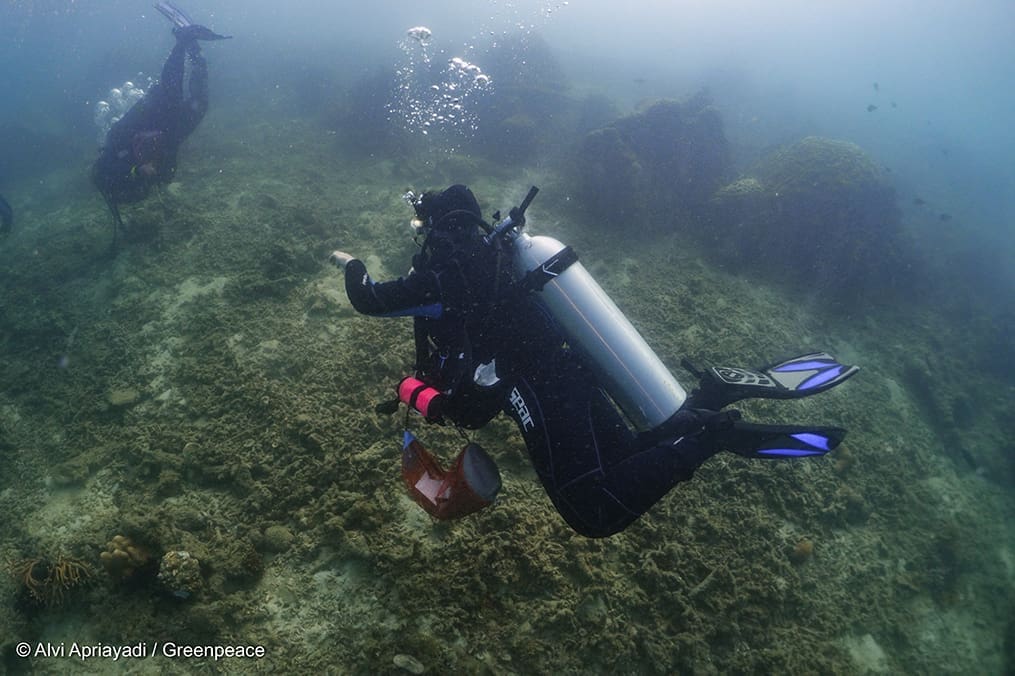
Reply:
x=277, y=539
x=802, y=551
x=408, y=663
x=659, y=165
x=596, y=111
x=123, y=397
x=361, y=117
x=180, y=574
x=257, y=201
x=818, y=213
x=530, y=112
x=744, y=207
x=123, y=558
x=868, y=656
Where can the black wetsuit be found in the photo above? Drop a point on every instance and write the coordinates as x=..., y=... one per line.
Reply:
x=599, y=475
x=152, y=131
x=6, y=216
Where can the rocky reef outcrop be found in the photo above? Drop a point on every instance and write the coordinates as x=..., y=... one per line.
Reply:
x=657, y=166
x=819, y=213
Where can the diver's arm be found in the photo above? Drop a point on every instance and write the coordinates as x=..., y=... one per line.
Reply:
x=414, y=295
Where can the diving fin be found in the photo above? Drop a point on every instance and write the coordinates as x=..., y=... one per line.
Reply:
x=186, y=30
x=801, y=376
x=197, y=32
x=754, y=440
x=173, y=13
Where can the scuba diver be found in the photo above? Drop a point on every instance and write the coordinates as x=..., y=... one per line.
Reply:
x=140, y=149
x=6, y=217
x=504, y=321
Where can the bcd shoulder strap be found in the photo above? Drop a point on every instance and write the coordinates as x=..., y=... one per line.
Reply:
x=549, y=270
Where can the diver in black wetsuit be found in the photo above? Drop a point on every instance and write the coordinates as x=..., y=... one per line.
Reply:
x=6, y=217
x=141, y=148
x=490, y=338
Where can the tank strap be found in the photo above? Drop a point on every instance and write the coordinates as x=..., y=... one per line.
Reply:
x=551, y=268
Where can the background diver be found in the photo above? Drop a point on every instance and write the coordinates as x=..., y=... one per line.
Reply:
x=140, y=149
x=6, y=217
x=508, y=322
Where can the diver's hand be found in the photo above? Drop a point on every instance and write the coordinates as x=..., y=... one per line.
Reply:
x=340, y=258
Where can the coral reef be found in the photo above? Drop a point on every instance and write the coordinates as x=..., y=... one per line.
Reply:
x=529, y=117
x=362, y=118
x=257, y=419
x=123, y=559
x=47, y=582
x=656, y=167
x=818, y=214
x=180, y=574
x=802, y=551
x=277, y=539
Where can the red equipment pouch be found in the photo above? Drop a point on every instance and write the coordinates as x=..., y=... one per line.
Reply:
x=470, y=484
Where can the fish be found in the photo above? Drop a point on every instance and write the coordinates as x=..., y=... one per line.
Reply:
x=918, y=201
x=894, y=105
x=871, y=108
x=6, y=216
x=876, y=87
x=945, y=217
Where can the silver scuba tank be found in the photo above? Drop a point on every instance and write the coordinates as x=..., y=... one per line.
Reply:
x=630, y=371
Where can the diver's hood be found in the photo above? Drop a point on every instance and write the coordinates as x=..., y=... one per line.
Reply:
x=451, y=209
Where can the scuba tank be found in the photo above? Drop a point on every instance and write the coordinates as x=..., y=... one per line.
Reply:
x=629, y=370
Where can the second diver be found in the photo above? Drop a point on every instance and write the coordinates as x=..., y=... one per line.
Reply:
x=140, y=150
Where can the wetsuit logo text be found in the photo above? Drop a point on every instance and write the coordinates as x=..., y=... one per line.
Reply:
x=521, y=410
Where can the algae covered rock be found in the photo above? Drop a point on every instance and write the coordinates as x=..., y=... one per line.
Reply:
x=180, y=574
x=525, y=113
x=277, y=539
x=655, y=166
x=123, y=397
x=818, y=212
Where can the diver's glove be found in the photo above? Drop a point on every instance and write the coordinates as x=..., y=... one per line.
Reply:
x=340, y=259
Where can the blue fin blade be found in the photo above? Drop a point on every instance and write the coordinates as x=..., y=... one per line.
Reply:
x=754, y=440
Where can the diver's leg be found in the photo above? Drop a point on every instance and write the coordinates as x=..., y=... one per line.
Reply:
x=629, y=484
x=597, y=475
x=171, y=81
x=196, y=104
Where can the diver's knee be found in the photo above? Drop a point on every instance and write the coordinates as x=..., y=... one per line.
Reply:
x=592, y=510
